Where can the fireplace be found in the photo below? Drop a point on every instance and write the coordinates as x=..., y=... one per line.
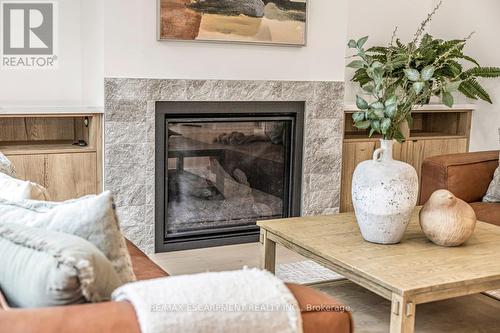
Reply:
x=222, y=166
x=131, y=131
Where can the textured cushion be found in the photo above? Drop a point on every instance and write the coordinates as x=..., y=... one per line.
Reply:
x=47, y=268
x=16, y=189
x=6, y=166
x=493, y=194
x=92, y=218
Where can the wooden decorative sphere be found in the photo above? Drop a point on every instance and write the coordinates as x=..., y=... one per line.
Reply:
x=447, y=220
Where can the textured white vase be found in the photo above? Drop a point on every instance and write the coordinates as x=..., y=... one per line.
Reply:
x=384, y=194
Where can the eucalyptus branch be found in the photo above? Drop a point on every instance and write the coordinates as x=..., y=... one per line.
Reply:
x=424, y=24
x=394, y=35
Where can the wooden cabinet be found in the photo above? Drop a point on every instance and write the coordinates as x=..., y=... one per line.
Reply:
x=42, y=149
x=71, y=175
x=434, y=132
x=29, y=167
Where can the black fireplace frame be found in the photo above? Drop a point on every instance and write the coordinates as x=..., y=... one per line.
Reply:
x=165, y=110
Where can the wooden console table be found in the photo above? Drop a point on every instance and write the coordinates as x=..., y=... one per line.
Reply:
x=40, y=142
x=413, y=272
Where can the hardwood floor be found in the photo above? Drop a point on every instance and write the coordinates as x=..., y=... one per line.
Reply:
x=216, y=259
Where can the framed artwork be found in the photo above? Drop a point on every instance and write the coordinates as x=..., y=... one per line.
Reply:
x=281, y=22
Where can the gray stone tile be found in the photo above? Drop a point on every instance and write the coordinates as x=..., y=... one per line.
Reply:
x=118, y=132
x=324, y=128
x=136, y=234
x=150, y=111
x=326, y=109
x=253, y=91
x=323, y=164
x=319, y=212
x=147, y=246
x=124, y=88
x=129, y=195
x=322, y=200
x=205, y=90
x=317, y=147
x=124, y=175
x=125, y=154
x=298, y=90
x=150, y=154
x=150, y=215
x=129, y=216
x=150, y=193
x=150, y=132
x=328, y=90
x=167, y=90
x=125, y=110
x=325, y=182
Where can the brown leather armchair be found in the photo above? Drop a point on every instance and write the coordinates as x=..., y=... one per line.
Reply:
x=119, y=317
x=465, y=175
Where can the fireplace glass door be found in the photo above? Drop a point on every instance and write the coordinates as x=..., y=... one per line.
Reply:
x=224, y=175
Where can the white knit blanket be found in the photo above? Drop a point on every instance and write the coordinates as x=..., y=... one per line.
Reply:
x=243, y=301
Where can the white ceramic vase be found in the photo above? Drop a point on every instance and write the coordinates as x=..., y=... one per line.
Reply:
x=384, y=194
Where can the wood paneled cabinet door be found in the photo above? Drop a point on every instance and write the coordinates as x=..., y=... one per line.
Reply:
x=353, y=154
x=29, y=167
x=65, y=176
x=419, y=150
x=70, y=176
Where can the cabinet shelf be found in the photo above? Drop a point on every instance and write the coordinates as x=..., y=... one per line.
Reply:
x=42, y=147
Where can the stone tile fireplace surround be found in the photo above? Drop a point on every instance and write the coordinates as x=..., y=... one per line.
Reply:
x=129, y=168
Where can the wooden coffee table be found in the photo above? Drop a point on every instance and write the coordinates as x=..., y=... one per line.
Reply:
x=413, y=272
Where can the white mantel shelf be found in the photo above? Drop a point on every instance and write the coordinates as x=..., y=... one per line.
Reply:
x=429, y=107
x=49, y=110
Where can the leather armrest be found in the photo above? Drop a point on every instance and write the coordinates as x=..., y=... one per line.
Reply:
x=102, y=317
x=465, y=175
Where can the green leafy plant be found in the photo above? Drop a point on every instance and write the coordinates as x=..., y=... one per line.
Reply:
x=396, y=78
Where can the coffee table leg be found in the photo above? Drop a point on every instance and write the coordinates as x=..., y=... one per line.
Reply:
x=267, y=252
x=402, y=315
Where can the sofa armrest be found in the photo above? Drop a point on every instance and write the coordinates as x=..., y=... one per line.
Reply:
x=103, y=317
x=465, y=175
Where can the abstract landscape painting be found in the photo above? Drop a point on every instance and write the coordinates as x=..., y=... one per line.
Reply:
x=253, y=21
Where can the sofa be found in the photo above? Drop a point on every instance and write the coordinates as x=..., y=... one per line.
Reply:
x=467, y=176
x=120, y=317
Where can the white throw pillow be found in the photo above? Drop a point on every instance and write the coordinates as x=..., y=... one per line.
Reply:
x=46, y=268
x=16, y=190
x=92, y=218
x=493, y=194
x=6, y=166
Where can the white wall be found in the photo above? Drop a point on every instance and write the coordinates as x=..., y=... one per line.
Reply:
x=92, y=41
x=131, y=48
x=377, y=19
x=50, y=87
x=456, y=20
